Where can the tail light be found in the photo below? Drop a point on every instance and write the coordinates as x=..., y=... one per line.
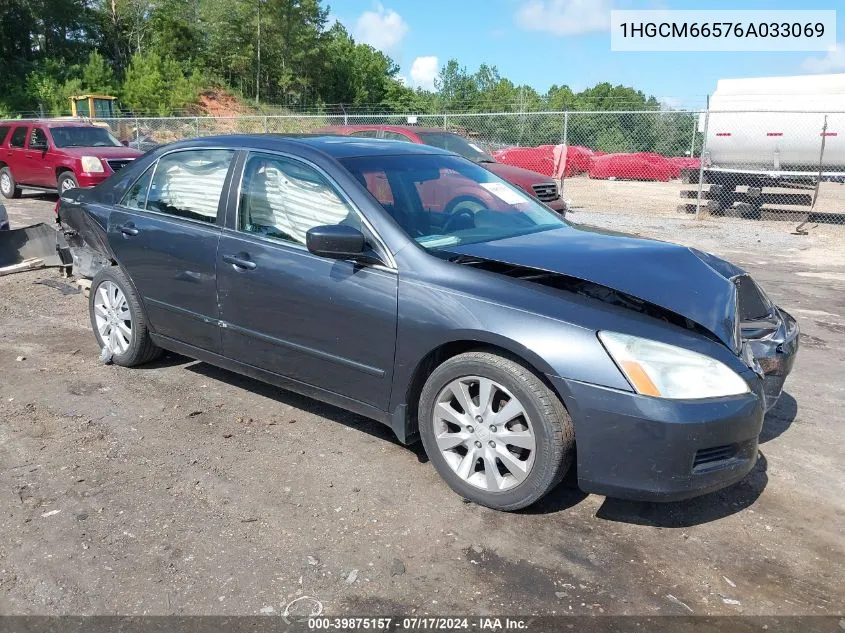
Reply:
x=56, y=209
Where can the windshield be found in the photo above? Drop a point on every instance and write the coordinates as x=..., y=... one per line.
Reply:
x=457, y=144
x=443, y=201
x=83, y=137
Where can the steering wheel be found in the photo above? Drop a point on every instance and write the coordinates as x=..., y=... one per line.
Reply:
x=466, y=215
x=462, y=208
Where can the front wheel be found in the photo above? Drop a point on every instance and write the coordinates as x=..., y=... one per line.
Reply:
x=118, y=320
x=494, y=431
x=66, y=182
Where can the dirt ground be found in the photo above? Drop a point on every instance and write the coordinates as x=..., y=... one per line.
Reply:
x=180, y=488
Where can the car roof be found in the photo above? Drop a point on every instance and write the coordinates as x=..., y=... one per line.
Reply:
x=416, y=129
x=334, y=146
x=51, y=123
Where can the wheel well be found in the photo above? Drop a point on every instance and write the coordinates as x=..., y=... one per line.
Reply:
x=441, y=354
x=61, y=170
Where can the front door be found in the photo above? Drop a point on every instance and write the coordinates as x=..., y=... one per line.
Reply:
x=39, y=170
x=164, y=233
x=322, y=322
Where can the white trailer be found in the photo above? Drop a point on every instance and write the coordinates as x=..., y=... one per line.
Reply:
x=768, y=133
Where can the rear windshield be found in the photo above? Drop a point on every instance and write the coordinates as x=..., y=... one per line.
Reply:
x=83, y=137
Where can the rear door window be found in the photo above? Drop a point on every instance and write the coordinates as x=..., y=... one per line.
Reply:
x=366, y=133
x=136, y=196
x=395, y=136
x=18, y=137
x=188, y=184
x=4, y=132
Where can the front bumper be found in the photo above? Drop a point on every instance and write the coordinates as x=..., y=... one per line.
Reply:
x=638, y=447
x=558, y=205
x=85, y=179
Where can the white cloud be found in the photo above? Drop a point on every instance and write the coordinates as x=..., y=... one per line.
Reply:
x=424, y=71
x=381, y=28
x=833, y=61
x=564, y=17
x=670, y=103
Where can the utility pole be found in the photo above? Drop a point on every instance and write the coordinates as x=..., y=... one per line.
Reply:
x=258, y=56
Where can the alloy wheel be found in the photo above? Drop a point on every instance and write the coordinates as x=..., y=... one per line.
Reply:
x=484, y=433
x=113, y=318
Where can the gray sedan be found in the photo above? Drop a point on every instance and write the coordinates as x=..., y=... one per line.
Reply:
x=513, y=344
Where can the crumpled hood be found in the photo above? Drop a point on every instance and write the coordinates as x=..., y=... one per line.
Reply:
x=688, y=282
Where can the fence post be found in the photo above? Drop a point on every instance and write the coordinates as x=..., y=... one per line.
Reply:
x=265, y=124
x=692, y=141
x=701, y=165
x=137, y=134
x=197, y=124
x=565, y=136
x=444, y=120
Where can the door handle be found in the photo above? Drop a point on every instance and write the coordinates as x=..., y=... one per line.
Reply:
x=129, y=230
x=240, y=261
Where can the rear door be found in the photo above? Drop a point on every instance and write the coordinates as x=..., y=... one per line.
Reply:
x=322, y=322
x=16, y=154
x=164, y=233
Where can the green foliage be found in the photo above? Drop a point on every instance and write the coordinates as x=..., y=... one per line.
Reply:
x=158, y=86
x=156, y=56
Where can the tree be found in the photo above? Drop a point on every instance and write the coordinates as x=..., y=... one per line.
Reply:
x=157, y=86
x=98, y=76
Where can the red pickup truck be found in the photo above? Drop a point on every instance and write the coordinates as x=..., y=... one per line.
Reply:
x=57, y=155
x=541, y=187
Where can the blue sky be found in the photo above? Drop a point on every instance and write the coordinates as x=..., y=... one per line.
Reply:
x=543, y=42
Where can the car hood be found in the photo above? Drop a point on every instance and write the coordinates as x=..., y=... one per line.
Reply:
x=517, y=174
x=102, y=152
x=690, y=283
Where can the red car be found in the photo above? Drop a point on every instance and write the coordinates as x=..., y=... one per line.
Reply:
x=57, y=155
x=541, y=187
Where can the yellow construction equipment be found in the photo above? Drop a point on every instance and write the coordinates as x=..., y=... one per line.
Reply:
x=93, y=106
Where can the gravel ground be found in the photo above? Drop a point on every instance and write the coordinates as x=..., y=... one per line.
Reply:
x=180, y=488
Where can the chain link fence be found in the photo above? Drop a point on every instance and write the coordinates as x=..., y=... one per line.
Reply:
x=753, y=165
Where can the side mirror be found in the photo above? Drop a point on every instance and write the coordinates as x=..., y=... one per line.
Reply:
x=338, y=241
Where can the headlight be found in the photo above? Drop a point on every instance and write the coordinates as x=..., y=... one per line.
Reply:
x=92, y=165
x=665, y=371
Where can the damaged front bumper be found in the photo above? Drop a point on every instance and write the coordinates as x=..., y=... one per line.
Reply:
x=638, y=447
x=773, y=345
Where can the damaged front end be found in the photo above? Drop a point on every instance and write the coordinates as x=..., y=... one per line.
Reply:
x=769, y=337
x=764, y=336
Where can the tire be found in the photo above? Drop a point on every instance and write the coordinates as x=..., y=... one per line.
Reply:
x=8, y=186
x=543, y=418
x=130, y=350
x=66, y=182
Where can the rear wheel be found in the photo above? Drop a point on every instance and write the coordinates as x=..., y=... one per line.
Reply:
x=66, y=182
x=118, y=320
x=494, y=431
x=8, y=186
